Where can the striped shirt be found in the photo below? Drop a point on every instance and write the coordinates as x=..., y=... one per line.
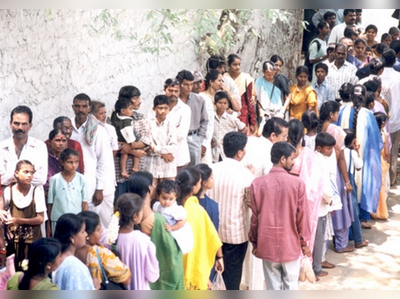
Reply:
x=337, y=77
x=232, y=182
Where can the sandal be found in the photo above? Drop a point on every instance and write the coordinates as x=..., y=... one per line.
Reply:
x=364, y=243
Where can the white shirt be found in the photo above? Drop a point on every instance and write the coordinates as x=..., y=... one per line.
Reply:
x=337, y=33
x=391, y=81
x=100, y=171
x=337, y=77
x=231, y=181
x=327, y=194
x=34, y=150
x=258, y=156
x=22, y=202
x=113, y=138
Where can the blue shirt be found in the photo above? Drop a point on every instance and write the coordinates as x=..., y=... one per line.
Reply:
x=396, y=66
x=325, y=93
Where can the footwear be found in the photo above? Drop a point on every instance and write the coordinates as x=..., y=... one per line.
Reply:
x=365, y=225
x=347, y=249
x=327, y=265
x=322, y=274
x=364, y=243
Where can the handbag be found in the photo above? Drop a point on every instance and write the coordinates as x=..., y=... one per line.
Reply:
x=107, y=285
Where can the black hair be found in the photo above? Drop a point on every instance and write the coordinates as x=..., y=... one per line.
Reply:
x=68, y=225
x=233, y=143
x=171, y=82
x=324, y=139
x=185, y=75
x=122, y=103
x=160, y=100
x=372, y=85
x=167, y=187
x=22, y=110
x=215, y=62
x=349, y=33
x=275, y=58
x=268, y=66
x=205, y=172
x=347, y=11
x=92, y=220
x=96, y=105
x=310, y=120
x=340, y=45
x=395, y=45
x=83, y=97
x=186, y=180
x=322, y=24
x=390, y=57
x=373, y=27
x=140, y=183
x=380, y=48
x=68, y=152
x=360, y=41
x=358, y=10
x=322, y=66
x=345, y=92
x=129, y=92
x=41, y=252
x=128, y=205
x=376, y=65
x=274, y=125
x=369, y=99
x=57, y=123
x=222, y=95
x=325, y=111
x=296, y=132
x=281, y=149
x=350, y=136
x=23, y=162
x=381, y=118
x=211, y=76
x=385, y=36
x=302, y=69
x=54, y=133
x=330, y=49
x=358, y=93
x=232, y=58
x=393, y=30
x=329, y=14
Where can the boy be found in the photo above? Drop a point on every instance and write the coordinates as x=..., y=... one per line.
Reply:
x=324, y=91
x=161, y=162
x=125, y=133
x=324, y=144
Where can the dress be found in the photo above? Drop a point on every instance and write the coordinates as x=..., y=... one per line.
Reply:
x=174, y=213
x=139, y=254
x=269, y=98
x=44, y=285
x=302, y=99
x=73, y=275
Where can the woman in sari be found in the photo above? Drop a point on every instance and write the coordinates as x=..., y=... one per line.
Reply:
x=280, y=80
x=304, y=97
x=245, y=83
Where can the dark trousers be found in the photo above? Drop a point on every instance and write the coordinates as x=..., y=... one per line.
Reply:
x=233, y=260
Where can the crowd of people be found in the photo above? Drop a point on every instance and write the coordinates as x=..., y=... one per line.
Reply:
x=225, y=176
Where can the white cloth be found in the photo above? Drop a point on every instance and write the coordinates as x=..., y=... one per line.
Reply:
x=21, y=201
x=310, y=142
x=105, y=210
x=209, y=103
x=113, y=138
x=34, y=151
x=233, y=89
x=337, y=77
x=127, y=132
x=337, y=33
x=258, y=156
x=231, y=181
x=391, y=81
x=327, y=194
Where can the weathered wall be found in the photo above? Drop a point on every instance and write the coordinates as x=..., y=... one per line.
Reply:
x=48, y=56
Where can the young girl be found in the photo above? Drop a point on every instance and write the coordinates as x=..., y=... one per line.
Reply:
x=371, y=32
x=26, y=207
x=224, y=123
x=310, y=122
x=67, y=190
x=360, y=46
x=44, y=258
x=175, y=215
x=136, y=249
x=207, y=245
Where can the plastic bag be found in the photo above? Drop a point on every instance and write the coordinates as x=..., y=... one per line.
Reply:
x=306, y=271
x=218, y=283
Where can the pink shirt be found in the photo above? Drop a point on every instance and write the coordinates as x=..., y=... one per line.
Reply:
x=280, y=218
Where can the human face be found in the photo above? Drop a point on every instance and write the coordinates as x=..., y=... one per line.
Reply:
x=71, y=164
x=302, y=79
x=186, y=87
x=269, y=75
x=359, y=17
x=79, y=240
x=282, y=137
x=395, y=36
x=138, y=217
x=197, y=86
x=321, y=75
x=350, y=19
x=278, y=67
x=387, y=40
x=66, y=128
x=20, y=125
x=128, y=111
x=371, y=34
x=222, y=106
x=94, y=238
x=172, y=92
x=217, y=84
x=341, y=54
x=136, y=102
x=58, y=144
x=289, y=162
x=360, y=49
x=326, y=150
x=368, y=53
x=25, y=174
x=161, y=112
x=101, y=114
x=209, y=184
x=331, y=21
x=81, y=108
x=197, y=187
x=334, y=116
x=326, y=30
x=167, y=199
x=221, y=69
x=235, y=67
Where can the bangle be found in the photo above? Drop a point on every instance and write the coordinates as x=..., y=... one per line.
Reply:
x=3, y=251
x=219, y=257
x=348, y=183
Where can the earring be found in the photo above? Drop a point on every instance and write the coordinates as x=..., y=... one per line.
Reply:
x=48, y=267
x=72, y=241
x=87, y=238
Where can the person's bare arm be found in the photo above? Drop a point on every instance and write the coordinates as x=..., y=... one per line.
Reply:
x=343, y=171
x=38, y=220
x=178, y=225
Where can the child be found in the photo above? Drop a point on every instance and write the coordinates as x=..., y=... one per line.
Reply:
x=161, y=162
x=26, y=207
x=67, y=190
x=125, y=133
x=174, y=214
x=310, y=122
x=324, y=91
x=224, y=123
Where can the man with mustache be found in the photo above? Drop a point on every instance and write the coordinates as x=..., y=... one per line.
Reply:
x=349, y=18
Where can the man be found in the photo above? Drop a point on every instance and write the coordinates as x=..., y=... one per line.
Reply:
x=330, y=17
x=22, y=147
x=359, y=17
x=232, y=181
x=349, y=17
x=98, y=158
x=391, y=82
x=350, y=48
x=198, y=82
x=320, y=15
x=258, y=157
x=199, y=118
x=341, y=71
x=180, y=114
x=280, y=222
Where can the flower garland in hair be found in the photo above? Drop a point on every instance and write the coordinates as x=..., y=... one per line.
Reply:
x=25, y=265
x=113, y=229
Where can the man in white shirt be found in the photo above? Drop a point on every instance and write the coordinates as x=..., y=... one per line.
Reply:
x=99, y=111
x=22, y=147
x=98, y=158
x=232, y=183
x=349, y=18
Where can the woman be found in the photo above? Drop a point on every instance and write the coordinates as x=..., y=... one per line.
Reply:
x=360, y=46
x=90, y=254
x=207, y=244
x=394, y=32
x=369, y=180
x=280, y=80
x=371, y=32
x=43, y=258
x=304, y=97
x=245, y=83
x=168, y=253
x=72, y=274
